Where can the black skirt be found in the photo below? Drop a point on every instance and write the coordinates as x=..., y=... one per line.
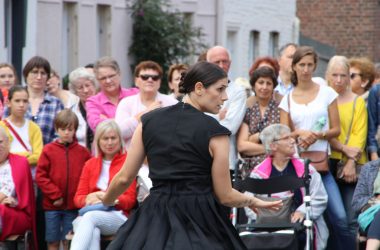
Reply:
x=178, y=215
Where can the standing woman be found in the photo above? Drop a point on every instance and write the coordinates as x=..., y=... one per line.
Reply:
x=103, y=105
x=183, y=209
x=42, y=109
x=310, y=103
x=8, y=78
x=24, y=135
x=353, y=125
x=128, y=113
x=262, y=111
x=82, y=83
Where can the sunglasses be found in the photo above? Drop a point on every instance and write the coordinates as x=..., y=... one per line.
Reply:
x=146, y=77
x=353, y=75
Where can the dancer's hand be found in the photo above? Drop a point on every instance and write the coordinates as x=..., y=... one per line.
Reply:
x=274, y=205
x=92, y=198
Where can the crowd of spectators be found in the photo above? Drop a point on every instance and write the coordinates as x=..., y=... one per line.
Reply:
x=77, y=139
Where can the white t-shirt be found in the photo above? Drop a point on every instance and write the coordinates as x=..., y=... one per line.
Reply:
x=23, y=132
x=104, y=176
x=305, y=116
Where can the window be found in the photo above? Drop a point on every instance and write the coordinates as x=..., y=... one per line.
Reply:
x=254, y=46
x=231, y=46
x=104, y=30
x=70, y=37
x=273, y=44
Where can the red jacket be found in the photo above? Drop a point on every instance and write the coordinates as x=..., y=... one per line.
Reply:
x=90, y=176
x=16, y=220
x=58, y=172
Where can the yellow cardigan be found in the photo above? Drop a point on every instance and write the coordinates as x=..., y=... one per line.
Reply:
x=35, y=140
x=358, y=136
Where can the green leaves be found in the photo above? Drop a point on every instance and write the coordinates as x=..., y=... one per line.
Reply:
x=163, y=35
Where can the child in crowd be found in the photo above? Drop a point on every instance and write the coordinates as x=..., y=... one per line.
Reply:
x=58, y=172
x=24, y=135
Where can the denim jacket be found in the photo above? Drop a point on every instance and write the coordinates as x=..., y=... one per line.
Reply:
x=373, y=107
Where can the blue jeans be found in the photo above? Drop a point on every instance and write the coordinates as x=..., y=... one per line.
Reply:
x=337, y=216
x=58, y=224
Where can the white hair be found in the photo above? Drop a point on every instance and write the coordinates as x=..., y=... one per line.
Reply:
x=80, y=73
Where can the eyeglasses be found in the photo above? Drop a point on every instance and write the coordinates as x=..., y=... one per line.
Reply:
x=104, y=78
x=286, y=138
x=35, y=73
x=146, y=77
x=353, y=75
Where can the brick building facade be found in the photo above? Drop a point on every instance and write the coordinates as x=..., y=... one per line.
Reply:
x=352, y=27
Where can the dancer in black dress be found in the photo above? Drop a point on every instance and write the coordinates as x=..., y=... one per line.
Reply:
x=187, y=153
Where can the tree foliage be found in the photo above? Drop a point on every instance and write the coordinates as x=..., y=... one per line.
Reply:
x=163, y=35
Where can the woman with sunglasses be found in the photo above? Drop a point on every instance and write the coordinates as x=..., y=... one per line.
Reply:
x=362, y=75
x=103, y=105
x=129, y=111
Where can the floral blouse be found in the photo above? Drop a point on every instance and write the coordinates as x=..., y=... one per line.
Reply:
x=256, y=124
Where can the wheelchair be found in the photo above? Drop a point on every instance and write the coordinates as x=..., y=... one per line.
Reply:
x=273, y=235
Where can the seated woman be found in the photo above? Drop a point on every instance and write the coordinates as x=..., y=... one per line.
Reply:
x=17, y=204
x=262, y=110
x=280, y=147
x=94, y=180
x=367, y=193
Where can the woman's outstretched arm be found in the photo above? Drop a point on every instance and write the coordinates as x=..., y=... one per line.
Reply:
x=124, y=178
x=219, y=147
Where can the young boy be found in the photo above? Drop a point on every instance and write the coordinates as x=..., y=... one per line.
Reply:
x=58, y=171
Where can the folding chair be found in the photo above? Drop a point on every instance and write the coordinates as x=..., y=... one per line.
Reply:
x=270, y=236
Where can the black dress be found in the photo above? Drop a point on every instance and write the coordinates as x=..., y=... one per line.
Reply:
x=181, y=211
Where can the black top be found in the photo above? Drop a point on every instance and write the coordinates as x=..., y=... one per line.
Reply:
x=178, y=147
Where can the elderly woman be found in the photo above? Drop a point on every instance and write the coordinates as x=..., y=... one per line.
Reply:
x=17, y=204
x=83, y=84
x=362, y=75
x=261, y=111
x=174, y=77
x=128, y=114
x=54, y=88
x=94, y=181
x=103, y=105
x=367, y=194
x=349, y=146
x=280, y=147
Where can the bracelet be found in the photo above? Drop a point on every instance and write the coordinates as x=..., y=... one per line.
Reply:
x=324, y=135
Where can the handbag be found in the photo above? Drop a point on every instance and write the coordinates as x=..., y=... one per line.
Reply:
x=318, y=159
x=366, y=217
x=270, y=216
x=342, y=162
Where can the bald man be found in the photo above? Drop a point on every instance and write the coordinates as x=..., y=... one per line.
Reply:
x=233, y=110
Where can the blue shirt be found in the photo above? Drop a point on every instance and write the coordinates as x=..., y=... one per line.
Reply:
x=373, y=107
x=282, y=89
x=44, y=118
